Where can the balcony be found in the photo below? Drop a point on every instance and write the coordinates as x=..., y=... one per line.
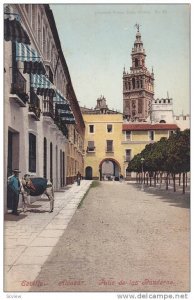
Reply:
x=91, y=150
x=18, y=89
x=48, y=110
x=34, y=106
x=61, y=126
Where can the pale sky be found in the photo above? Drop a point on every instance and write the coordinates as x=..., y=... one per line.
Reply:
x=97, y=40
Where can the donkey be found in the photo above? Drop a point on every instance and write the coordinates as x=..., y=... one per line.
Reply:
x=36, y=186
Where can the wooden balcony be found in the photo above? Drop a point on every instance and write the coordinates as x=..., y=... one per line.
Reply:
x=18, y=89
x=34, y=106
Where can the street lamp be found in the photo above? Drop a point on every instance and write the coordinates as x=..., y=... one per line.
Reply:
x=142, y=161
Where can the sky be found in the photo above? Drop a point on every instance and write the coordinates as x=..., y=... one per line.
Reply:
x=97, y=40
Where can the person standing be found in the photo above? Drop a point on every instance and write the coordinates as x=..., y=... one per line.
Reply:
x=78, y=178
x=14, y=187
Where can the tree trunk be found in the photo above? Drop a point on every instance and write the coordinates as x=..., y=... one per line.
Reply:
x=174, y=183
x=150, y=181
x=154, y=179
x=184, y=183
x=167, y=181
x=179, y=179
x=186, y=180
x=157, y=178
x=160, y=180
x=147, y=178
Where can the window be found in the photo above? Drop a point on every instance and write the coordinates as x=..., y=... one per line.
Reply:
x=45, y=158
x=91, y=146
x=39, y=29
x=128, y=135
x=151, y=135
x=184, y=118
x=109, y=127
x=44, y=47
x=171, y=132
x=136, y=62
x=133, y=83
x=177, y=118
x=127, y=154
x=34, y=17
x=109, y=146
x=32, y=152
x=91, y=128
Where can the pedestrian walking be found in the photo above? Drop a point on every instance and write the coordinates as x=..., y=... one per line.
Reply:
x=121, y=178
x=14, y=188
x=78, y=177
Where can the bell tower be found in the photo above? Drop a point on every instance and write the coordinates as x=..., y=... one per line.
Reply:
x=138, y=84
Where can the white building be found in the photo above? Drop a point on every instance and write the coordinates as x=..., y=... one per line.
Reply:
x=183, y=121
x=42, y=119
x=162, y=111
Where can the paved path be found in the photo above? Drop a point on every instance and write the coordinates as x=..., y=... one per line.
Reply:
x=30, y=238
x=121, y=239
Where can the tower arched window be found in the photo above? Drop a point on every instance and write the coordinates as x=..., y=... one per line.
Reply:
x=136, y=62
x=133, y=83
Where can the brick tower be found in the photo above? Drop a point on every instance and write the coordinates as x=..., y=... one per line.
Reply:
x=138, y=85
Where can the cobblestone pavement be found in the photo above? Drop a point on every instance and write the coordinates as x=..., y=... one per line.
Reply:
x=30, y=238
x=121, y=239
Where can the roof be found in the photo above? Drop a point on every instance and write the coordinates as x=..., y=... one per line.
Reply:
x=145, y=126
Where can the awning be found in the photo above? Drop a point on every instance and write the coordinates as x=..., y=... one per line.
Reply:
x=59, y=98
x=43, y=85
x=63, y=106
x=66, y=114
x=32, y=60
x=13, y=30
x=68, y=121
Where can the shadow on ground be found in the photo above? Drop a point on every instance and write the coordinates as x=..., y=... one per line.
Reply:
x=176, y=199
x=11, y=217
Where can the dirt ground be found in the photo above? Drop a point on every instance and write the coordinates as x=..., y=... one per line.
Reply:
x=123, y=239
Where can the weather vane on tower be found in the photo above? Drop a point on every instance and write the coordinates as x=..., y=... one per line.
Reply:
x=137, y=26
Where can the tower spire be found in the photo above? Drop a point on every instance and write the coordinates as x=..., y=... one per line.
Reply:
x=137, y=26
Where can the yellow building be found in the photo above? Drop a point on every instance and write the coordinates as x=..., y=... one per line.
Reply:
x=103, y=153
x=111, y=143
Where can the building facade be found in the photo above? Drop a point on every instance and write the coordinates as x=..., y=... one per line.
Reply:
x=103, y=154
x=110, y=143
x=43, y=125
x=138, y=85
x=162, y=111
x=182, y=121
x=137, y=135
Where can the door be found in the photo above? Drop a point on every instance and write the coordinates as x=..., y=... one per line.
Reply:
x=89, y=173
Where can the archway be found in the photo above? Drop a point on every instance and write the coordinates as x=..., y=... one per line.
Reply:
x=88, y=173
x=109, y=169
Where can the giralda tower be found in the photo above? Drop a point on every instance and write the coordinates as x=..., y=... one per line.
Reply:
x=138, y=85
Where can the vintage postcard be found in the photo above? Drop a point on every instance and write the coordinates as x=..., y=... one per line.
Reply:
x=97, y=150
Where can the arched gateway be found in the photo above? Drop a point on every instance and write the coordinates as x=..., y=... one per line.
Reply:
x=109, y=168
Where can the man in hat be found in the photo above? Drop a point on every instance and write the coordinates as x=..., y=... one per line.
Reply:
x=15, y=187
